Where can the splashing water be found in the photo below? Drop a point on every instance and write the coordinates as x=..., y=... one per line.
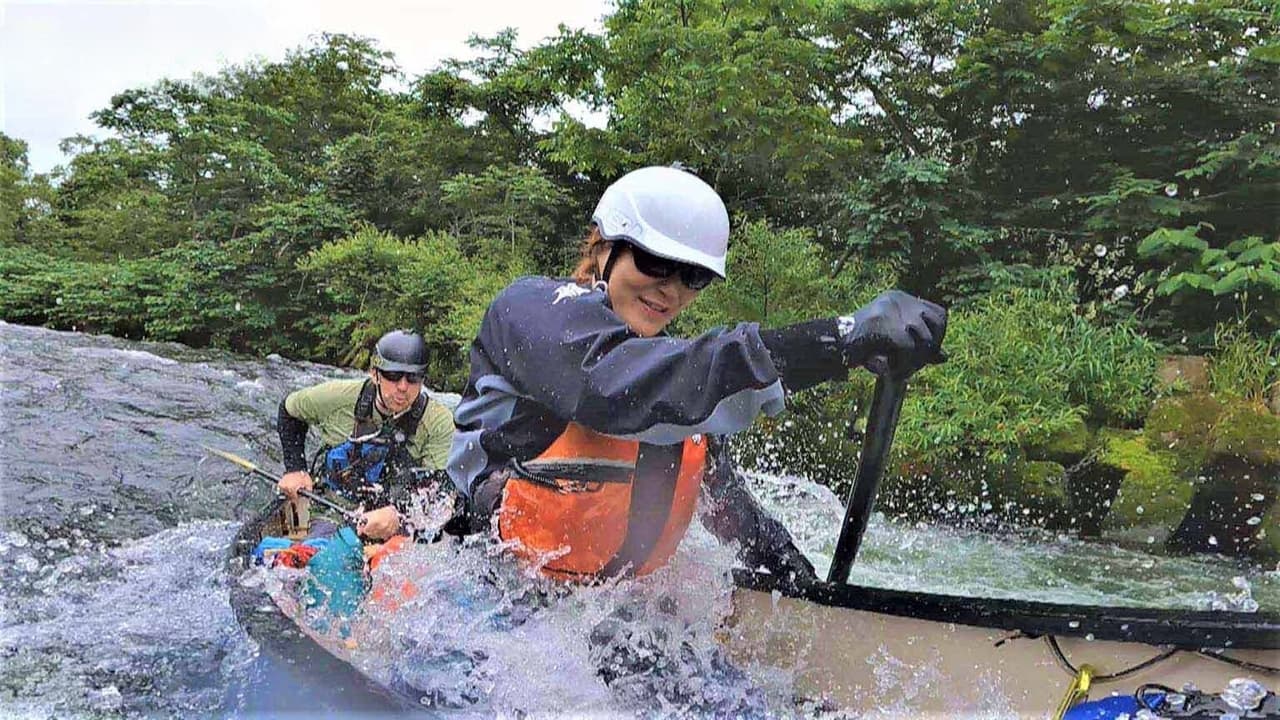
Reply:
x=480, y=635
x=84, y=636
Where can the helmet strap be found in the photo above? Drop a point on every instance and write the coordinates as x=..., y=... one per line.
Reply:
x=613, y=258
x=380, y=404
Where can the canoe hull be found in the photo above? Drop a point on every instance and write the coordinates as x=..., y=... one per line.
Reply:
x=852, y=658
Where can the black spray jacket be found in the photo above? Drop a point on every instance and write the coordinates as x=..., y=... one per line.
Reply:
x=550, y=352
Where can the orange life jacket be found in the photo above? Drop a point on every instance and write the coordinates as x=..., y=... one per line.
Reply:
x=386, y=598
x=578, y=511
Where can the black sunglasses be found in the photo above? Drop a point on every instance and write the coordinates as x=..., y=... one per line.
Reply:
x=693, y=276
x=395, y=376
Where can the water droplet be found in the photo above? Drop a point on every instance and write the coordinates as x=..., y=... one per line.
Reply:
x=1244, y=694
x=106, y=698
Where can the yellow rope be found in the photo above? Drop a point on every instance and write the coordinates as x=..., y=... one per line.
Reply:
x=1076, y=692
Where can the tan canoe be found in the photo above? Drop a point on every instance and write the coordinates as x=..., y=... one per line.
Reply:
x=867, y=648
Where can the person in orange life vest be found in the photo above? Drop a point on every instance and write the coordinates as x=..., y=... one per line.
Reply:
x=587, y=434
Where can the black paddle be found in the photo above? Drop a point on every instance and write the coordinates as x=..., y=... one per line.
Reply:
x=882, y=421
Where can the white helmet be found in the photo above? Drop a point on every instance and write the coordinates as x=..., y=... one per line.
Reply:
x=669, y=213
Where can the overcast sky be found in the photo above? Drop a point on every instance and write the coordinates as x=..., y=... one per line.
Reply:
x=62, y=59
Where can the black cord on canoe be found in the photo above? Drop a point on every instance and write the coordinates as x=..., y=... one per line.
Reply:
x=1066, y=664
x=1245, y=664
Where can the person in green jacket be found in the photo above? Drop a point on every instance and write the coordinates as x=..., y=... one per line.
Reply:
x=379, y=434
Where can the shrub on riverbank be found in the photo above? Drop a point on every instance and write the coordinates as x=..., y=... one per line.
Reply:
x=1024, y=369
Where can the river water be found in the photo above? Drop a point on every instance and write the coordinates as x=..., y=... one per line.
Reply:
x=115, y=528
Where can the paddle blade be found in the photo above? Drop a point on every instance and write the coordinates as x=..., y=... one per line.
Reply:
x=232, y=457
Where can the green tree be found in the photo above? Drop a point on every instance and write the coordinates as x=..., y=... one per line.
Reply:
x=1094, y=124
x=739, y=92
x=13, y=177
x=371, y=282
x=507, y=211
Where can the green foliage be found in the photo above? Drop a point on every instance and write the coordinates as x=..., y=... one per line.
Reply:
x=738, y=91
x=13, y=173
x=24, y=289
x=1135, y=115
x=1244, y=366
x=74, y=295
x=905, y=212
x=777, y=277
x=506, y=212
x=1198, y=275
x=372, y=282
x=1024, y=367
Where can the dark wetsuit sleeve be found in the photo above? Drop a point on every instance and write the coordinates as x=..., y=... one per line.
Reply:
x=733, y=515
x=293, y=440
x=550, y=352
x=806, y=354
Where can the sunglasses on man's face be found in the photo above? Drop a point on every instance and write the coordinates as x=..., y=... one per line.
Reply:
x=396, y=376
x=693, y=276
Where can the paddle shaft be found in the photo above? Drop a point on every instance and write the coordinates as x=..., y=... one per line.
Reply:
x=882, y=421
x=275, y=482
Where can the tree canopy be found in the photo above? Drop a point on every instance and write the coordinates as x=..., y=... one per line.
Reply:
x=958, y=148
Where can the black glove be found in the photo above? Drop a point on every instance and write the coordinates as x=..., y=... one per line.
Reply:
x=903, y=329
x=473, y=514
x=487, y=493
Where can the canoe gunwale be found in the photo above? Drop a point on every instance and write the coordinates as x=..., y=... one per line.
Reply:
x=1184, y=629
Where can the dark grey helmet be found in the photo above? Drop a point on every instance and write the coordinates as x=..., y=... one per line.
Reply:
x=401, y=351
